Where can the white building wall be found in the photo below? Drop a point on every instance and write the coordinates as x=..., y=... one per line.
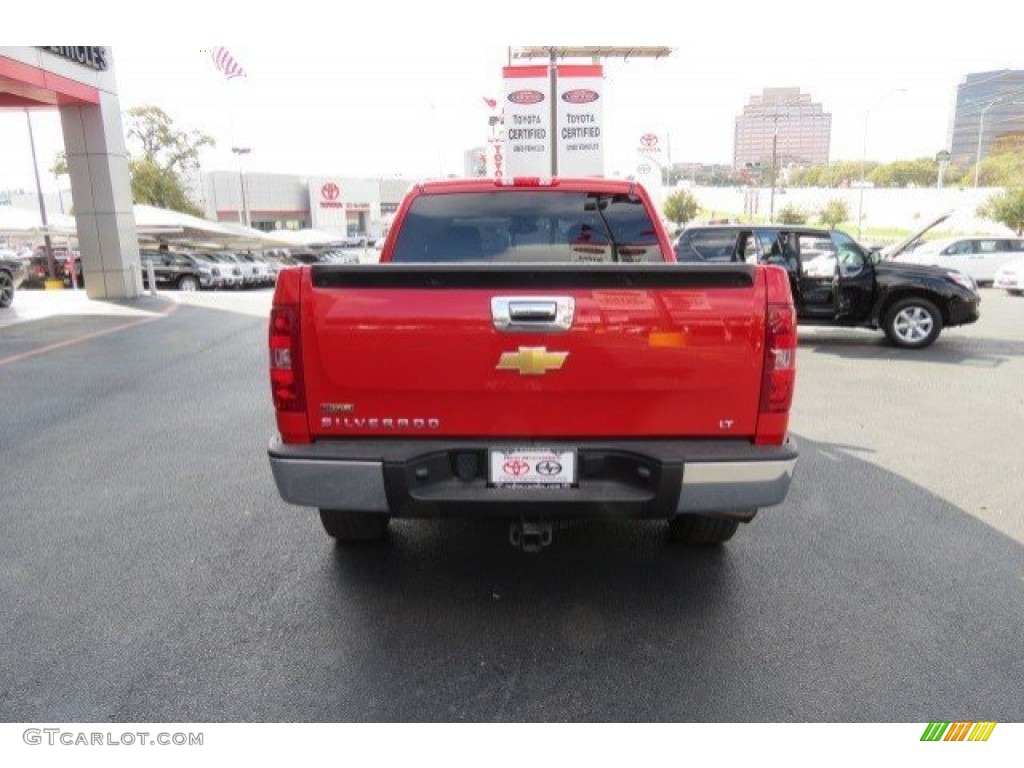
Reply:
x=882, y=208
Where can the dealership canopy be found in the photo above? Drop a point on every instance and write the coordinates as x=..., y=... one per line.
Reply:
x=27, y=222
x=167, y=225
x=307, y=237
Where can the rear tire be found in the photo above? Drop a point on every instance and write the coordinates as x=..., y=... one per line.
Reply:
x=352, y=527
x=188, y=283
x=912, y=323
x=701, y=529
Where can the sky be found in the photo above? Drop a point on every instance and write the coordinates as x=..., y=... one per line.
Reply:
x=356, y=89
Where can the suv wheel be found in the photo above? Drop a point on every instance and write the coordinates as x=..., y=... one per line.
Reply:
x=6, y=289
x=188, y=283
x=912, y=323
x=351, y=527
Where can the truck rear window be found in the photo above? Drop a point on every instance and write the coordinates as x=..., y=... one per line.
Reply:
x=527, y=226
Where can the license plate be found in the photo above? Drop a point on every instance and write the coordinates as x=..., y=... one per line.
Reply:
x=532, y=467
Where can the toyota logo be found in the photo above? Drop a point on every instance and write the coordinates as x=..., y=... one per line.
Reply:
x=526, y=97
x=580, y=96
x=548, y=468
x=648, y=140
x=330, y=191
x=515, y=467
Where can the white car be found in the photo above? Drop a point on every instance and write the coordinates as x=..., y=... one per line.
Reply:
x=979, y=257
x=1010, y=277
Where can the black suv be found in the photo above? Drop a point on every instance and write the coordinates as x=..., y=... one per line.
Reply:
x=835, y=281
x=170, y=269
x=12, y=273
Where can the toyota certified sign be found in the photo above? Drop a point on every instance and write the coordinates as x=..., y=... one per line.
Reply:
x=580, y=96
x=526, y=97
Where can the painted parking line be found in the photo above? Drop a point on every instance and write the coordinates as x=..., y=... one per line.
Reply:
x=84, y=338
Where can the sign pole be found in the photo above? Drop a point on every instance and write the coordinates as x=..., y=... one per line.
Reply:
x=553, y=132
x=51, y=263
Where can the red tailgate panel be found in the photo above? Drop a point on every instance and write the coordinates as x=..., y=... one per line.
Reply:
x=646, y=362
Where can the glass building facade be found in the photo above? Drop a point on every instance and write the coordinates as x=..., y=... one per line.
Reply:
x=989, y=105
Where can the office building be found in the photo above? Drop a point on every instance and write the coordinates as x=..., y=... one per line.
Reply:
x=989, y=105
x=798, y=127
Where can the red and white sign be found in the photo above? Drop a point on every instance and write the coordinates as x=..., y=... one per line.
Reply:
x=342, y=204
x=329, y=194
x=580, y=139
x=527, y=146
x=650, y=146
x=495, y=159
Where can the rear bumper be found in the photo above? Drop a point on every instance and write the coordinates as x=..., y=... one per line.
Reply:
x=643, y=479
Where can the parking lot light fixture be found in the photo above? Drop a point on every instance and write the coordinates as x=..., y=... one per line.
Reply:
x=243, y=215
x=864, y=156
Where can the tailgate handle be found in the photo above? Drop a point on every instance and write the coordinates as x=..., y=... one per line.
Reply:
x=533, y=311
x=526, y=314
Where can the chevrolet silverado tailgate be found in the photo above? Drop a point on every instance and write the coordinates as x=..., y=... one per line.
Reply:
x=485, y=350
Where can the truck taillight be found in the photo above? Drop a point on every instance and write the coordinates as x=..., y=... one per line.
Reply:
x=285, y=360
x=779, y=375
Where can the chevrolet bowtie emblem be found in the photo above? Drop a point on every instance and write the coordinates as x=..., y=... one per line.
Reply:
x=532, y=361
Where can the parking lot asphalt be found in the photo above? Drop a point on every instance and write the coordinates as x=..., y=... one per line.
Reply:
x=150, y=572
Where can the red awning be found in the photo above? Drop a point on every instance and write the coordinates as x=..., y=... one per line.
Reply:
x=22, y=85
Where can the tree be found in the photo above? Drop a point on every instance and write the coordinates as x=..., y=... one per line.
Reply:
x=1003, y=166
x=790, y=214
x=167, y=155
x=1007, y=208
x=153, y=185
x=60, y=164
x=680, y=207
x=922, y=172
x=838, y=174
x=834, y=213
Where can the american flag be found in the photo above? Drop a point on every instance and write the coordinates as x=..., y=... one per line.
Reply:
x=226, y=63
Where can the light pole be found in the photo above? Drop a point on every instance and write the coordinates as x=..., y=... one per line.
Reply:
x=775, y=158
x=864, y=156
x=981, y=130
x=784, y=103
x=51, y=263
x=244, y=217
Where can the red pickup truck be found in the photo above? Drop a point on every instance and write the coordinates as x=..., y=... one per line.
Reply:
x=531, y=350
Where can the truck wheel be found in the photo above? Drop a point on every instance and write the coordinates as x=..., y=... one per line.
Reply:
x=6, y=289
x=699, y=529
x=350, y=527
x=188, y=283
x=912, y=323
